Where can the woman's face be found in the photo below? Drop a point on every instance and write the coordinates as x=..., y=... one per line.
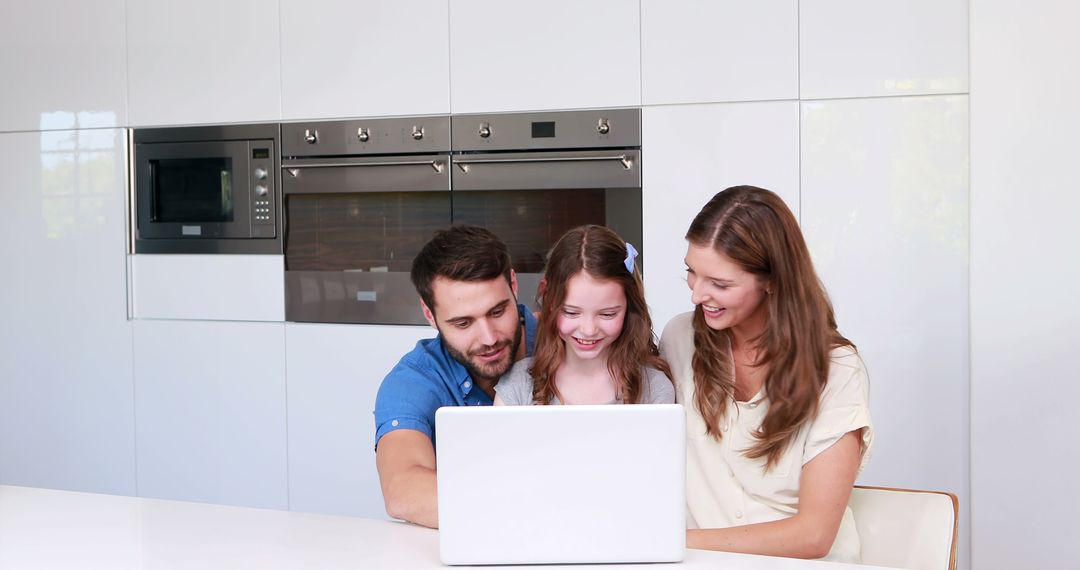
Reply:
x=729, y=296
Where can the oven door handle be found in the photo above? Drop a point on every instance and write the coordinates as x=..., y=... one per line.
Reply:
x=293, y=168
x=627, y=161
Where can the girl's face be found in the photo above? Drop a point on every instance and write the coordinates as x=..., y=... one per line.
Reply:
x=729, y=295
x=591, y=316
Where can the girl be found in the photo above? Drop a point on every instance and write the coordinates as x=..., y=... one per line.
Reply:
x=594, y=342
x=778, y=423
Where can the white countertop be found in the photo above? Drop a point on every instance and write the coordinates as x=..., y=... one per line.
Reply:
x=42, y=528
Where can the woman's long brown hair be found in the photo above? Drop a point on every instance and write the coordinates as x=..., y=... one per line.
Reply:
x=601, y=253
x=755, y=229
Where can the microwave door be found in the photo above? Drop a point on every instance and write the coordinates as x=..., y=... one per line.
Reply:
x=193, y=190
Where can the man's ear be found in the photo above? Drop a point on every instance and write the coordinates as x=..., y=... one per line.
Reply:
x=428, y=314
x=541, y=288
x=513, y=283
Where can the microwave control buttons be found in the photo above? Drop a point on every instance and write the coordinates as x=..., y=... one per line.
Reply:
x=363, y=134
x=603, y=127
x=417, y=133
x=260, y=174
x=261, y=190
x=310, y=136
x=485, y=130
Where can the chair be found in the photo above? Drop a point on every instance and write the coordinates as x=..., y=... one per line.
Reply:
x=906, y=528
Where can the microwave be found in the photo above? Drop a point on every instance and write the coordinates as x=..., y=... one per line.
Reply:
x=207, y=189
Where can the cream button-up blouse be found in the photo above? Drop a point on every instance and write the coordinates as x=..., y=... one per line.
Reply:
x=723, y=487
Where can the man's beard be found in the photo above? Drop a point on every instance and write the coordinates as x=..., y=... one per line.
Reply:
x=493, y=370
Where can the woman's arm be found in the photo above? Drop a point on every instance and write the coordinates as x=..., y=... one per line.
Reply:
x=824, y=489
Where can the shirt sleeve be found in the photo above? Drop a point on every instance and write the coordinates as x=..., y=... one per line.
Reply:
x=515, y=387
x=845, y=407
x=405, y=401
x=660, y=388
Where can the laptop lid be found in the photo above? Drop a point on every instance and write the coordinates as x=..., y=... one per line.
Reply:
x=561, y=484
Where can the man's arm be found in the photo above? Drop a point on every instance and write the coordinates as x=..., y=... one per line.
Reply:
x=406, y=462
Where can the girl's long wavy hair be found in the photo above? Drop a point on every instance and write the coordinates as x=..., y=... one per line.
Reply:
x=601, y=253
x=755, y=229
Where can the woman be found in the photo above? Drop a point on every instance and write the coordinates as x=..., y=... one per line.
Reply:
x=778, y=423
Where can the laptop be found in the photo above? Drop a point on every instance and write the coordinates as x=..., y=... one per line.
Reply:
x=561, y=484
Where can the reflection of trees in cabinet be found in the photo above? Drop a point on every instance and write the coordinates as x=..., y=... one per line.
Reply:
x=380, y=231
x=530, y=221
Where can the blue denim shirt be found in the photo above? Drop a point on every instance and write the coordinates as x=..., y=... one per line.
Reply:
x=428, y=378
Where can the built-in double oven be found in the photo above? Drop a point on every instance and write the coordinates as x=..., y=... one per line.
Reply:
x=362, y=197
x=350, y=203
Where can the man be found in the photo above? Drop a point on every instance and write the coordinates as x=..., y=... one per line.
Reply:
x=468, y=292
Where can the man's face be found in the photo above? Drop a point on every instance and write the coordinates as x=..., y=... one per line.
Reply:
x=479, y=323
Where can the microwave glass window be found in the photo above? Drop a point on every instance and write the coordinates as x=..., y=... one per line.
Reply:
x=192, y=190
x=530, y=221
x=361, y=232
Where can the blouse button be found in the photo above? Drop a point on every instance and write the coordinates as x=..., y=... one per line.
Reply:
x=723, y=427
x=738, y=514
x=753, y=405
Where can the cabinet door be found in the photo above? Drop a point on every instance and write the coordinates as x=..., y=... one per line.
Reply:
x=885, y=214
x=731, y=50
x=342, y=58
x=65, y=341
x=62, y=72
x=208, y=287
x=334, y=373
x=560, y=54
x=691, y=152
x=210, y=412
x=203, y=61
x=853, y=48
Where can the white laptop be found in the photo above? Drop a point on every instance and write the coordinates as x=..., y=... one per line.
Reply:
x=561, y=484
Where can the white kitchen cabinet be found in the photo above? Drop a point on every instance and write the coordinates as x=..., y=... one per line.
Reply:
x=210, y=412
x=208, y=287
x=728, y=50
x=691, y=152
x=885, y=213
x=334, y=372
x=62, y=72
x=516, y=55
x=66, y=404
x=203, y=61
x=342, y=58
x=856, y=48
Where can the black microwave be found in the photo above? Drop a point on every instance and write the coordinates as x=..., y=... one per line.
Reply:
x=206, y=189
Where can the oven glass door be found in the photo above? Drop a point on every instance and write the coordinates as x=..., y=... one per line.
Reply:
x=193, y=190
x=531, y=199
x=352, y=229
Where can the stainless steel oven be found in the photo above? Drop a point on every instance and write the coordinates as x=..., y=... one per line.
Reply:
x=361, y=198
x=206, y=189
x=529, y=177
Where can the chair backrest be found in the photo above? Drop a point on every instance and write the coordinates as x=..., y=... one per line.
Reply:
x=906, y=528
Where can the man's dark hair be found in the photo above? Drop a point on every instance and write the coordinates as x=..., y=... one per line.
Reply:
x=461, y=253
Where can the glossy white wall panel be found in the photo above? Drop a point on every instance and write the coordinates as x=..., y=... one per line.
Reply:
x=210, y=412
x=698, y=52
x=63, y=64
x=691, y=152
x=342, y=58
x=509, y=55
x=66, y=405
x=334, y=373
x=885, y=213
x=859, y=48
x=209, y=287
x=203, y=61
x=1024, y=275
